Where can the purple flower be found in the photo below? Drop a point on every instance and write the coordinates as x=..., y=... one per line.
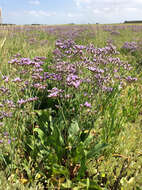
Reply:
x=9, y=103
x=37, y=85
x=94, y=69
x=76, y=84
x=8, y=114
x=16, y=80
x=37, y=65
x=38, y=70
x=9, y=141
x=5, y=114
x=54, y=92
x=72, y=77
x=21, y=101
x=3, y=89
x=88, y=105
x=79, y=47
x=5, y=78
x=13, y=61
x=17, y=55
x=57, y=77
x=107, y=89
x=6, y=134
x=26, y=82
x=57, y=52
x=131, y=79
x=73, y=80
x=37, y=76
x=31, y=99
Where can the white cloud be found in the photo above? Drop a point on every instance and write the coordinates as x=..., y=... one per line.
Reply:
x=74, y=15
x=70, y=15
x=131, y=9
x=40, y=13
x=104, y=3
x=31, y=17
x=96, y=11
x=108, y=11
x=138, y=1
x=34, y=2
x=80, y=2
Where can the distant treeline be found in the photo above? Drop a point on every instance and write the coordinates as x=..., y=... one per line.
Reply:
x=5, y=24
x=133, y=21
x=35, y=24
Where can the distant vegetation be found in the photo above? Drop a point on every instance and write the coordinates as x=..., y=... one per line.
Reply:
x=133, y=21
x=6, y=24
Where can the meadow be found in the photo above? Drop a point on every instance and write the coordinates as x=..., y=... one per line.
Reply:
x=71, y=107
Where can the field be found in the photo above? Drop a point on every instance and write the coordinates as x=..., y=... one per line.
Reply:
x=71, y=107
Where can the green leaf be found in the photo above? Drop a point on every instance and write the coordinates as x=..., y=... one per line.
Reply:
x=67, y=184
x=83, y=184
x=40, y=134
x=73, y=131
x=96, y=151
x=58, y=169
x=51, y=123
x=88, y=140
x=31, y=142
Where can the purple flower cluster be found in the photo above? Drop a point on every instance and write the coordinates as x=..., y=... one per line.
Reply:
x=22, y=101
x=27, y=74
x=73, y=80
x=75, y=69
x=72, y=61
x=130, y=46
x=31, y=69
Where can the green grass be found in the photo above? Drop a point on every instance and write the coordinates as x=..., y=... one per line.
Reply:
x=58, y=142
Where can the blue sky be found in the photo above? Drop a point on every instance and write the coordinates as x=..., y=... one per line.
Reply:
x=70, y=11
